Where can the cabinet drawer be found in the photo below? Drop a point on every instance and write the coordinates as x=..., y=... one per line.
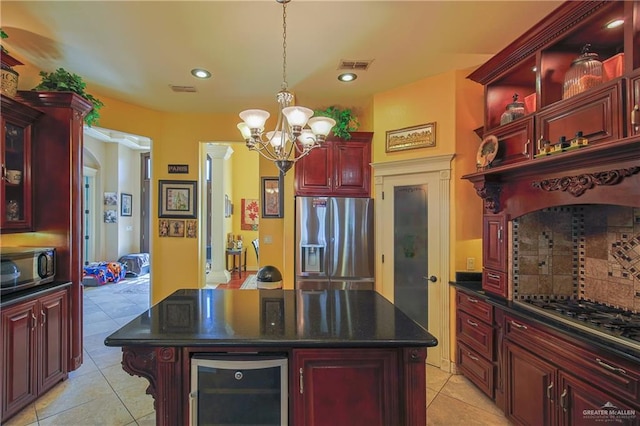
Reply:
x=597, y=114
x=475, y=333
x=474, y=306
x=515, y=142
x=604, y=370
x=475, y=368
x=494, y=282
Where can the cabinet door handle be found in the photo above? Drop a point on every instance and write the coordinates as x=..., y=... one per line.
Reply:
x=471, y=323
x=34, y=321
x=549, y=389
x=635, y=118
x=526, y=148
x=500, y=234
x=470, y=300
x=494, y=276
x=43, y=315
x=610, y=367
x=515, y=324
x=562, y=403
x=475, y=358
x=301, y=381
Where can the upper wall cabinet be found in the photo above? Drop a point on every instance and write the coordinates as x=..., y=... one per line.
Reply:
x=573, y=72
x=339, y=168
x=15, y=157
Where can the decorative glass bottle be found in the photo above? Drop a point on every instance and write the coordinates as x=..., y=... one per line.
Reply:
x=585, y=73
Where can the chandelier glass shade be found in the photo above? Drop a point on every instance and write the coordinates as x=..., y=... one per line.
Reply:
x=296, y=132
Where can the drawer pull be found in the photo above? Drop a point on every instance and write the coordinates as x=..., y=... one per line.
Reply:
x=525, y=152
x=470, y=300
x=515, y=324
x=610, y=367
x=471, y=323
x=562, y=403
x=493, y=276
x=475, y=358
x=549, y=389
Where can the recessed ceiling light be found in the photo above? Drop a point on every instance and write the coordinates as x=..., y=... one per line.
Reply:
x=200, y=73
x=615, y=23
x=348, y=76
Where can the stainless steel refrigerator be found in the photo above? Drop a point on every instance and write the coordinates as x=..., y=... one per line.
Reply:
x=334, y=243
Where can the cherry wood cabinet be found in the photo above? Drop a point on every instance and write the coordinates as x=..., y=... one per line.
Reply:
x=34, y=348
x=338, y=168
x=475, y=354
x=346, y=387
x=57, y=193
x=553, y=379
x=15, y=159
x=530, y=387
x=494, y=254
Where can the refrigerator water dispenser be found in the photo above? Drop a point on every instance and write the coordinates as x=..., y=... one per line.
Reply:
x=312, y=258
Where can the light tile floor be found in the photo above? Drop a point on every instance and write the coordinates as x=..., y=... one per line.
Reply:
x=102, y=393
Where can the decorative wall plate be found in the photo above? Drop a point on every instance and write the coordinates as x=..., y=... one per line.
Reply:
x=487, y=151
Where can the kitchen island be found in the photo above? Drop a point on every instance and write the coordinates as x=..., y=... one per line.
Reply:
x=353, y=357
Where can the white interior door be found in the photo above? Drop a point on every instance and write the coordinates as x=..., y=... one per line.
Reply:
x=412, y=217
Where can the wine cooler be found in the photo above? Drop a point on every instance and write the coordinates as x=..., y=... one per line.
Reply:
x=239, y=390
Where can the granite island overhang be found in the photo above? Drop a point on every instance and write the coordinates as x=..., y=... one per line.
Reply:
x=351, y=330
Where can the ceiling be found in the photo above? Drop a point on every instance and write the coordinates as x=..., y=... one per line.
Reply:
x=134, y=51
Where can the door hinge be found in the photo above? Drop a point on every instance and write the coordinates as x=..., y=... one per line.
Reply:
x=383, y=258
x=383, y=195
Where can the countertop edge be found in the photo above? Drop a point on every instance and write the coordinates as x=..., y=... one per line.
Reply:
x=512, y=307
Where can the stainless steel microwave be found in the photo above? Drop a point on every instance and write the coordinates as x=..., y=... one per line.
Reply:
x=25, y=267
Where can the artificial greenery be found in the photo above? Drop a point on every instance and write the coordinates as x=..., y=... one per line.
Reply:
x=63, y=81
x=3, y=35
x=346, y=122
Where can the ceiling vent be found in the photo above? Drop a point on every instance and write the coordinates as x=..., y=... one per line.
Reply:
x=361, y=65
x=183, y=89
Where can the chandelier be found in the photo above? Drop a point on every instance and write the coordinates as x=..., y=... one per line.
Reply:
x=296, y=132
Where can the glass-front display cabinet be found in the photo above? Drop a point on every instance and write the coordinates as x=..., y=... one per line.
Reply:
x=15, y=158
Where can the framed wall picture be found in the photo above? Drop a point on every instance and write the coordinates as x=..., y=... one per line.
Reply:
x=272, y=197
x=422, y=136
x=126, y=201
x=177, y=199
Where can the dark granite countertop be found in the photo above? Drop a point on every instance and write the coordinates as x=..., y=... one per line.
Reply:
x=564, y=326
x=284, y=318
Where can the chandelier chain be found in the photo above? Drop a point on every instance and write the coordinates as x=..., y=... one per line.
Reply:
x=284, y=46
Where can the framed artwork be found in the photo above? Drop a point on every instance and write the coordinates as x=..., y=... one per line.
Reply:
x=110, y=216
x=272, y=197
x=250, y=215
x=163, y=228
x=422, y=136
x=227, y=206
x=176, y=228
x=177, y=199
x=192, y=228
x=125, y=204
x=110, y=198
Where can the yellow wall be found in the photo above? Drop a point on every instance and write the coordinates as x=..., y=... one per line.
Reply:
x=455, y=104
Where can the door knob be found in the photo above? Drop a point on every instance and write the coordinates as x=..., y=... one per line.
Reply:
x=432, y=278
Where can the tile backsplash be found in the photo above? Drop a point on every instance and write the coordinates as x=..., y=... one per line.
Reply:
x=585, y=251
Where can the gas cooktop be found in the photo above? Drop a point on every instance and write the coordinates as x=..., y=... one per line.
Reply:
x=612, y=323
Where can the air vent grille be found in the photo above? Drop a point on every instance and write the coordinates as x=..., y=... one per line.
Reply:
x=361, y=65
x=183, y=89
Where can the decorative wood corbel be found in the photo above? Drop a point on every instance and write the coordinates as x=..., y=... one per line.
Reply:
x=490, y=193
x=578, y=185
x=141, y=361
